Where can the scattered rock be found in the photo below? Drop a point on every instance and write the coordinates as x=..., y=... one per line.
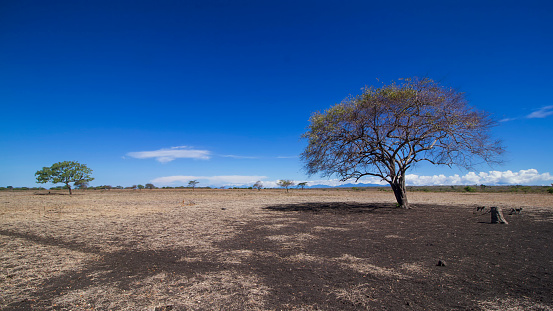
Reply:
x=440, y=263
x=164, y=308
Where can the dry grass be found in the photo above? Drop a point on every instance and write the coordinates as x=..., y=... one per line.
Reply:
x=136, y=250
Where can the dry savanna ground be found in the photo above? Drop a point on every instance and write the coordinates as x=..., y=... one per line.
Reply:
x=271, y=250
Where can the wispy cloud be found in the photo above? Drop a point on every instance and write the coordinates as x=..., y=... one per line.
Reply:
x=507, y=119
x=170, y=154
x=224, y=180
x=541, y=113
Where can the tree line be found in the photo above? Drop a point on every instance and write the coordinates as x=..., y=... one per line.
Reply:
x=73, y=173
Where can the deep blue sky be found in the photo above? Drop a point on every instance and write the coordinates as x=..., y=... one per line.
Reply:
x=123, y=85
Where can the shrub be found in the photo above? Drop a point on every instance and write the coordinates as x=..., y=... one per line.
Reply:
x=526, y=189
x=469, y=189
x=550, y=190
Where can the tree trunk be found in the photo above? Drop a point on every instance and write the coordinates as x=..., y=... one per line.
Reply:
x=497, y=215
x=399, y=192
x=68, y=186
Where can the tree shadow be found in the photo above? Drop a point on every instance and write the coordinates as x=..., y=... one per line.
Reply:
x=337, y=207
x=51, y=241
x=120, y=269
x=57, y=193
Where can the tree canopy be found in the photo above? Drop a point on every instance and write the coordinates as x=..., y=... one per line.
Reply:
x=385, y=131
x=65, y=172
x=258, y=185
x=285, y=183
x=193, y=184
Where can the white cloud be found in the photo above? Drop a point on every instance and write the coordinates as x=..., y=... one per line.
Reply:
x=522, y=177
x=225, y=180
x=541, y=113
x=168, y=155
x=507, y=119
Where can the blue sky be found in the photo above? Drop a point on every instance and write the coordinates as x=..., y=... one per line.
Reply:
x=220, y=91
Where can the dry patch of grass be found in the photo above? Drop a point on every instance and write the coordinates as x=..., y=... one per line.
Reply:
x=513, y=305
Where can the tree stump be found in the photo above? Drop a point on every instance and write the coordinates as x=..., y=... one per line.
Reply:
x=497, y=215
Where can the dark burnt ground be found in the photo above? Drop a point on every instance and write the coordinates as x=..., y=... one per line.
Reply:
x=341, y=256
x=484, y=262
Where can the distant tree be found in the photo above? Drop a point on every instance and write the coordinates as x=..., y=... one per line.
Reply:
x=258, y=185
x=134, y=187
x=64, y=172
x=11, y=187
x=150, y=186
x=140, y=187
x=302, y=185
x=385, y=131
x=285, y=183
x=193, y=184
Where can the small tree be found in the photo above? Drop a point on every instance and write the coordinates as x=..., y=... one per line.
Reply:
x=134, y=187
x=285, y=183
x=385, y=131
x=193, y=184
x=64, y=172
x=150, y=186
x=302, y=185
x=258, y=185
x=140, y=187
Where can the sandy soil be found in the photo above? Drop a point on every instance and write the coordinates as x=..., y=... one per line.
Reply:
x=269, y=250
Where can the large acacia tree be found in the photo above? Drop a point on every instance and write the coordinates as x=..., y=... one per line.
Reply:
x=65, y=172
x=385, y=131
